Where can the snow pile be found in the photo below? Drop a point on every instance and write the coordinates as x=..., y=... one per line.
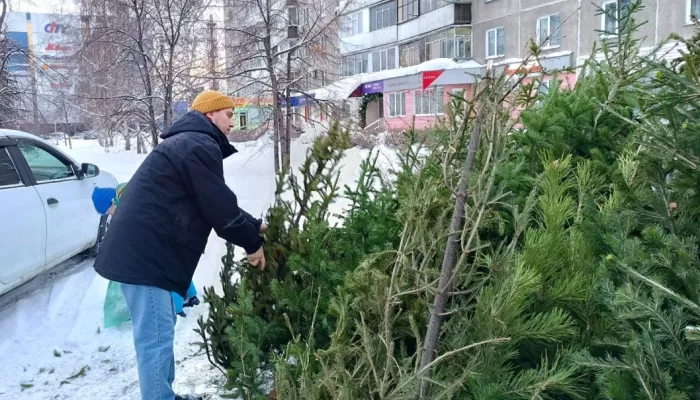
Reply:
x=52, y=341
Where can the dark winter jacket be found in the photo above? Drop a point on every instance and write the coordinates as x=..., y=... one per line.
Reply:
x=173, y=201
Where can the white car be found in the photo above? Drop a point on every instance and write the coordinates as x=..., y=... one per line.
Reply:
x=46, y=210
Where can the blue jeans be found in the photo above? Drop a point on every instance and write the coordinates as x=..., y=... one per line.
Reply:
x=153, y=318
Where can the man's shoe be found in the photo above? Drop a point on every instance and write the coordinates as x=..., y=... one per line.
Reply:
x=189, y=397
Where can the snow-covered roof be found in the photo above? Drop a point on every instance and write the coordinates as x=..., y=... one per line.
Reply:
x=343, y=88
x=432, y=65
x=339, y=90
x=510, y=61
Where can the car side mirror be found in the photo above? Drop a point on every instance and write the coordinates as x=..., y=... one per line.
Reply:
x=89, y=170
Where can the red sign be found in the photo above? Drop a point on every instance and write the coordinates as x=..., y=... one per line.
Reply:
x=57, y=47
x=523, y=70
x=429, y=77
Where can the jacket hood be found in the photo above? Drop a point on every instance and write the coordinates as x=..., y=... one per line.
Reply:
x=194, y=122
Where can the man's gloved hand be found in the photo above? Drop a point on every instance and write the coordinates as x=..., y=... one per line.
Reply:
x=182, y=314
x=191, y=302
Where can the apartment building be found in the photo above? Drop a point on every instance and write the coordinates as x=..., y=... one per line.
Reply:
x=413, y=55
x=301, y=36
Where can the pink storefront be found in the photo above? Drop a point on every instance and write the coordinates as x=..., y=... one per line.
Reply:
x=419, y=100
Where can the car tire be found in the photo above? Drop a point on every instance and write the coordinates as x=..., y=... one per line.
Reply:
x=101, y=231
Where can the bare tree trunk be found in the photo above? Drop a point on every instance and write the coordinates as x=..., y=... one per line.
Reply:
x=140, y=13
x=287, y=132
x=127, y=139
x=286, y=139
x=139, y=144
x=3, y=12
x=276, y=122
x=168, y=95
x=448, y=262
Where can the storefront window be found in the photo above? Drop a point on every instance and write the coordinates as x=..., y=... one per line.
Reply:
x=397, y=104
x=429, y=102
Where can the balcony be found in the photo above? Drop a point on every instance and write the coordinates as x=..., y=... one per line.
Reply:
x=369, y=40
x=451, y=14
x=463, y=13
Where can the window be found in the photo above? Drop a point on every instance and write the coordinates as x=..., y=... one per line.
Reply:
x=427, y=6
x=293, y=16
x=408, y=55
x=440, y=45
x=548, y=31
x=544, y=86
x=429, y=102
x=693, y=7
x=408, y=10
x=353, y=65
x=356, y=23
x=8, y=172
x=459, y=98
x=243, y=121
x=382, y=16
x=383, y=60
x=44, y=165
x=495, y=42
x=352, y=24
x=397, y=104
x=613, y=12
x=463, y=41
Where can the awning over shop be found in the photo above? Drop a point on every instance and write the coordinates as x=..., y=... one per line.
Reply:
x=419, y=76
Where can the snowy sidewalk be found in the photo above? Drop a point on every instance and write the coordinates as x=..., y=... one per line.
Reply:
x=52, y=342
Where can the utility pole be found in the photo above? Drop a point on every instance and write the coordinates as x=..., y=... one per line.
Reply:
x=212, y=54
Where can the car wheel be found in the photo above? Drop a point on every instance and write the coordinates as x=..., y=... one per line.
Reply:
x=104, y=225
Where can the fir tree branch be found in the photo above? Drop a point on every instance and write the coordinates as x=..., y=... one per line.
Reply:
x=420, y=372
x=662, y=288
x=365, y=345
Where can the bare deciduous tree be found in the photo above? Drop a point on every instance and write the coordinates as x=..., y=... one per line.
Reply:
x=279, y=49
x=138, y=58
x=9, y=93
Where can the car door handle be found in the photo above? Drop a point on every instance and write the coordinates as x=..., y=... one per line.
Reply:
x=51, y=201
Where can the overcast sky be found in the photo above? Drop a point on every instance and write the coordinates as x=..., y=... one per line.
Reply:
x=44, y=6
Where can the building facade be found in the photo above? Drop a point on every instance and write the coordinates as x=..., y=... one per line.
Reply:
x=297, y=39
x=396, y=44
x=43, y=64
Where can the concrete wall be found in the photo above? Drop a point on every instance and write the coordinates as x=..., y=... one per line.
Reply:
x=434, y=20
x=661, y=17
x=519, y=17
x=369, y=40
x=592, y=24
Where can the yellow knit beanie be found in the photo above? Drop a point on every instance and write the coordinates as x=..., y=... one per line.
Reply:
x=210, y=101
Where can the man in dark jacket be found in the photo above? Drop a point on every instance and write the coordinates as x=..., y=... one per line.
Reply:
x=155, y=241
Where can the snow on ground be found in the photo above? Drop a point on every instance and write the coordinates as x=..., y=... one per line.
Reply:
x=52, y=342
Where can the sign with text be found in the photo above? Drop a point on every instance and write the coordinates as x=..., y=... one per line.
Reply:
x=461, y=76
x=373, y=87
x=403, y=83
x=429, y=77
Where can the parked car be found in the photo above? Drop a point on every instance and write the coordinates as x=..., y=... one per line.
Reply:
x=46, y=211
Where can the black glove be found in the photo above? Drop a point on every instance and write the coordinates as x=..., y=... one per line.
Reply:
x=191, y=302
